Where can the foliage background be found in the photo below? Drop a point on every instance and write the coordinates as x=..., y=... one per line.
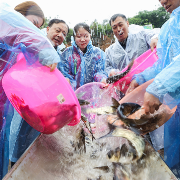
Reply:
x=156, y=17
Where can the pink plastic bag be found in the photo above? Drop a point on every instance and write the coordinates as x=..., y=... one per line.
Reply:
x=144, y=61
x=44, y=99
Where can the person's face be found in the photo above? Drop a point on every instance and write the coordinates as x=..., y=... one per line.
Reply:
x=82, y=38
x=57, y=33
x=170, y=5
x=120, y=28
x=36, y=20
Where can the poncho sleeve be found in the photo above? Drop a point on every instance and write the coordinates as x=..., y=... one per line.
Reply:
x=65, y=67
x=99, y=68
x=166, y=85
x=150, y=34
x=18, y=34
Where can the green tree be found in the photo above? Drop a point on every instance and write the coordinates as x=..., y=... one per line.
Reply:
x=98, y=29
x=68, y=37
x=46, y=23
x=156, y=17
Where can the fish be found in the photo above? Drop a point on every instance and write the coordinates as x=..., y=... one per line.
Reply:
x=79, y=145
x=123, y=155
x=87, y=124
x=103, y=110
x=120, y=173
x=81, y=101
x=133, y=115
x=103, y=168
x=113, y=79
x=130, y=114
x=136, y=141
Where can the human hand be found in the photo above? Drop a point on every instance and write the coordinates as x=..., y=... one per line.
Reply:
x=132, y=86
x=151, y=103
x=153, y=43
x=103, y=81
x=113, y=72
x=105, y=85
x=68, y=81
x=52, y=66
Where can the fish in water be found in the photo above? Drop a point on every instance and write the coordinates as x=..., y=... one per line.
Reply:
x=136, y=160
x=103, y=110
x=87, y=124
x=113, y=79
x=133, y=115
x=81, y=101
x=65, y=155
x=136, y=141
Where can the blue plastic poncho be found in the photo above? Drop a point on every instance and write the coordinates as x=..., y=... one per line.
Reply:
x=82, y=68
x=166, y=85
x=17, y=35
x=21, y=136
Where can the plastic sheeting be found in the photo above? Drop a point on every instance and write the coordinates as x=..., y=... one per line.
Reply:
x=21, y=136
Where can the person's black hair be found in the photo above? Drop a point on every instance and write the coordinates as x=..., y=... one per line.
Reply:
x=113, y=18
x=79, y=25
x=57, y=21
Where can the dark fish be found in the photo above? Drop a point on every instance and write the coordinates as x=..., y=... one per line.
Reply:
x=114, y=155
x=117, y=77
x=103, y=168
x=81, y=101
x=125, y=110
x=104, y=110
x=120, y=172
x=87, y=124
x=79, y=146
x=135, y=118
x=136, y=141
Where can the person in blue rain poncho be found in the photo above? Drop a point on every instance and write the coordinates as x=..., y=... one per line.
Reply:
x=82, y=62
x=19, y=33
x=21, y=133
x=166, y=85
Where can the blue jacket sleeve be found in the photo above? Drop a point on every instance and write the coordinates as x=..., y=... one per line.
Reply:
x=149, y=73
x=166, y=85
x=108, y=63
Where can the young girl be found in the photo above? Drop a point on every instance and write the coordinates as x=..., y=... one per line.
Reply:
x=82, y=62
